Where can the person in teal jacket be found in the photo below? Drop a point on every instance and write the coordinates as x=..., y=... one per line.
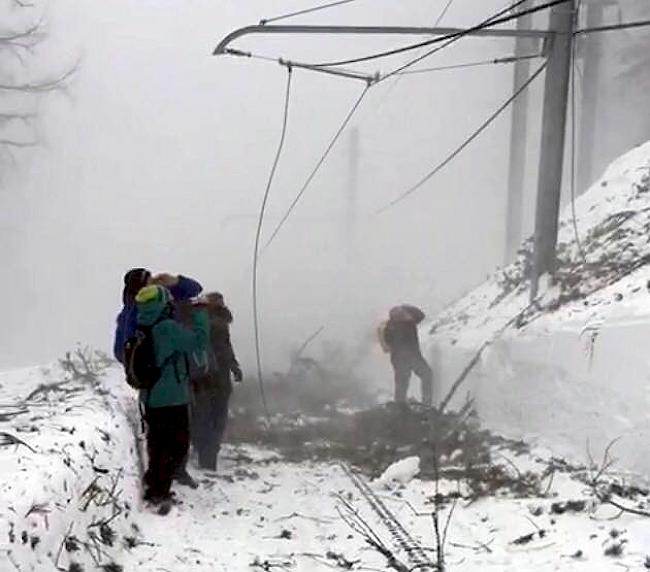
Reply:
x=166, y=404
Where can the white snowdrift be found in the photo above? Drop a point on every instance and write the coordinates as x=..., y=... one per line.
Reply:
x=259, y=513
x=577, y=370
x=400, y=472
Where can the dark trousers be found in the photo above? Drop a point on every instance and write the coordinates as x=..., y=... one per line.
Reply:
x=406, y=364
x=209, y=419
x=168, y=439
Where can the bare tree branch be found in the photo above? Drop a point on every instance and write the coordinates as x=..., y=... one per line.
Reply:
x=41, y=87
x=31, y=33
x=19, y=144
x=24, y=116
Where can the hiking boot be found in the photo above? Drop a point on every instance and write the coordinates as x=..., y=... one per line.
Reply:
x=185, y=479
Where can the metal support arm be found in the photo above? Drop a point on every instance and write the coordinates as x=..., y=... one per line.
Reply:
x=373, y=30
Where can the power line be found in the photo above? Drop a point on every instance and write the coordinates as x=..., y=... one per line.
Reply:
x=613, y=27
x=398, y=78
x=504, y=60
x=258, y=233
x=341, y=72
x=320, y=162
x=462, y=147
x=492, y=21
x=444, y=12
x=306, y=11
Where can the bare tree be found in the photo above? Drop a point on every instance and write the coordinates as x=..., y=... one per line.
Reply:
x=21, y=33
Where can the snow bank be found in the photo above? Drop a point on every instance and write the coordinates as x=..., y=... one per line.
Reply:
x=400, y=472
x=69, y=473
x=572, y=369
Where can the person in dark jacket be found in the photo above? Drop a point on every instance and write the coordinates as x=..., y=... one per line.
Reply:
x=166, y=404
x=180, y=287
x=213, y=387
x=400, y=335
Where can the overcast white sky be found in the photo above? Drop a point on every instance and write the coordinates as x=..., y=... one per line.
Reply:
x=159, y=153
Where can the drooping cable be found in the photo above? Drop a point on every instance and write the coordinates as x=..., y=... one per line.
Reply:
x=497, y=19
x=398, y=77
x=444, y=11
x=305, y=11
x=486, y=23
x=467, y=141
x=320, y=162
x=258, y=233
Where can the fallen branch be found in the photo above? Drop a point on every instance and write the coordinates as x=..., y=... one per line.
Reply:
x=7, y=439
x=477, y=356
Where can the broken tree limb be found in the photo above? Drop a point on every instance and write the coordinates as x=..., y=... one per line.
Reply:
x=477, y=356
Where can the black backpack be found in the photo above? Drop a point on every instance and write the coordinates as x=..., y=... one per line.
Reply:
x=140, y=359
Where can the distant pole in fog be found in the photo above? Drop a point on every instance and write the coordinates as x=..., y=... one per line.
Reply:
x=518, y=139
x=351, y=218
x=554, y=121
x=592, y=61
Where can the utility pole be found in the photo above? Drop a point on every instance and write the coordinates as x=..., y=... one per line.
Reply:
x=592, y=61
x=353, y=194
x=549, y=188
x=518, y=140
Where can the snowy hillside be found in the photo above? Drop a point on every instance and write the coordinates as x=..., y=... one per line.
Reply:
x=597, y=272
x=571, y=369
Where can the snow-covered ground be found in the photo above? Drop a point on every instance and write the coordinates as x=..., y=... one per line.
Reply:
x=69, y=497
x=573, y=368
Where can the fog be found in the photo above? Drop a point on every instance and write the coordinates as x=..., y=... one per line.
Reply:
x=158, y=153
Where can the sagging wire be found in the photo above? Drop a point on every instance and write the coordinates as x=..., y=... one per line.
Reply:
x=320, y=162
x=341, y=72
x=466, y=143
x=498, y=18
x=574, y=215
x=395, y=83
x=504, y=60
x=305, y=11
x=452, y=38
x=258, y=233
x=443, y=12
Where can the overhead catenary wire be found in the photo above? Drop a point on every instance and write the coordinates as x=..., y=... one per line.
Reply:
x=492, y=61
x=465, y=143
x=497, y=19
x=486, y=23
x=613, y=27
x=258, y=233
x=342, y=72
x=443, y=12
x=397, y=79
x=305, y=11
x=319, y=163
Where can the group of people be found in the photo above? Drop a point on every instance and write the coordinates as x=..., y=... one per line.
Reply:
x=195, y=364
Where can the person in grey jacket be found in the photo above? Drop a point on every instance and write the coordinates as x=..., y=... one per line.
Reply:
x=400, y=335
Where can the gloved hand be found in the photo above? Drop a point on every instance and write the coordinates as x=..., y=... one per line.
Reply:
x=237, y=373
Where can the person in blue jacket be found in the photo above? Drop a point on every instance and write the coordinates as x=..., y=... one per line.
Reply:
x=180, y=287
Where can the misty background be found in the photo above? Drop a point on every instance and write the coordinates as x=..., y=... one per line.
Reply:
x=157, y=155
